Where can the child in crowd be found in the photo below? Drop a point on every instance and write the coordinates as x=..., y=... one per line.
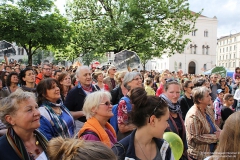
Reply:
x=226, y=110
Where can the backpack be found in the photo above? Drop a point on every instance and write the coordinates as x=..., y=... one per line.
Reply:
x=113, y=119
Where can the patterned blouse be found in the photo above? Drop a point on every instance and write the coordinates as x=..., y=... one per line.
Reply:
x=198, y=132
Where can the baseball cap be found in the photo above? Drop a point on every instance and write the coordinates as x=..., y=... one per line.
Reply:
x=219, y=91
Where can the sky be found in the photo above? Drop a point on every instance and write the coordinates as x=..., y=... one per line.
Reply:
x=226, y=11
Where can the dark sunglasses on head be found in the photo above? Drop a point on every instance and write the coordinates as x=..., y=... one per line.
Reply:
x=161, y=102
x=171, y=80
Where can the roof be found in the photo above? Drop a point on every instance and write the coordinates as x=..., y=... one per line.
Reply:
x=197, y=13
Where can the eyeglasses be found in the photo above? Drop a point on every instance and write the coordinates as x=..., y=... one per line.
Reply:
x=191, y=87
x=48, y=69
x=114, y=69
x=107, y=103
x=215, y=77
x=137, y=79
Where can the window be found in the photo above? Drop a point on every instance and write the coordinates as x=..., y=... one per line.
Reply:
x=219, y=57
x=227, y=49
x=226, y=57
x=205, y=67
x=235, y=39
x=235, y=47
x=223, y=50
x=229, y=56
x=193, y=48
x=205, y=33
x=203, y=49
x=180, y=65
x=233, y=55
x=230, y=48
x=220, y=50
x=194, y=33
x=207, y=47
x=234, y=64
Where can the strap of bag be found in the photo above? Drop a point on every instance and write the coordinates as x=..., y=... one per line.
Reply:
x=89, y=132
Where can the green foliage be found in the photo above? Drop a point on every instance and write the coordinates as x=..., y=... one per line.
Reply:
x=220, y=70
x=150, y=28
x=32, y=25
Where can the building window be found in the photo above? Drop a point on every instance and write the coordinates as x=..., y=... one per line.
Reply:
x=205, y=67
x=235, y=47
x=194, y=33
x=193, y=48
x=229, y=56
x=205, y=33
x=207, y=48
x=203, y=49
x=219, y=57
x=223, y=50
x=180, y=65
x=230, y=48
x=227, y=49
x=235, y=39
x=233, y=55
x=234, y=64
x=220, y=50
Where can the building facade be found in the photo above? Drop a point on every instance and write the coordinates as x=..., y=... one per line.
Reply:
x=199, y=55
x=228, y=51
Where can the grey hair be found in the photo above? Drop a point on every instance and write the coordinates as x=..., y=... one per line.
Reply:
x=10, y=104
x=79, y=69
x=46, y=64
x=129, y=76
x=198, y=93
x=92, y=101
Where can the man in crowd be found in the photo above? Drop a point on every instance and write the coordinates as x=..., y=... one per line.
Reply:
x=75, y=98
x=214, y=86
x=46, y=72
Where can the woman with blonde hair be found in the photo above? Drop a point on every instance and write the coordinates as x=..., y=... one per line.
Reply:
x=76, y=149
x=228, y=146
x=148, y=86
x=19, y=112
x=118, y=92
x=162, y=81
x=98, y=111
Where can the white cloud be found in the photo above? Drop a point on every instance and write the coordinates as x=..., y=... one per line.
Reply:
x=226, y=11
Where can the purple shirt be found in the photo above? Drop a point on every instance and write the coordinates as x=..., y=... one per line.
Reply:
x=92, y=137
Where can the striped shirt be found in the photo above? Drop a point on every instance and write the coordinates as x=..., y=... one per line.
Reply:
x=198, y=133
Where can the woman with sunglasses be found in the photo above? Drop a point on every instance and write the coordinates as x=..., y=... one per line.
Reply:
x=98, y=111
x=171, y=95
x=186, y=101
x=149, y=115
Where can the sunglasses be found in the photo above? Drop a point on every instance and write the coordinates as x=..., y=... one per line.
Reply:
x=191, y=87
x=162, y=101
x=106, y=103
x=170, y=80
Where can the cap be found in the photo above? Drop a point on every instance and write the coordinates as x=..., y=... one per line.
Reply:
x=219, y=91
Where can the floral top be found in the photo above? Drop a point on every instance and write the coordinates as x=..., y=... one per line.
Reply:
x=122, y=116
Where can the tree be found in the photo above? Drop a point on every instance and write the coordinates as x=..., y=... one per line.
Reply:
x=149, y=28
x=32, y=25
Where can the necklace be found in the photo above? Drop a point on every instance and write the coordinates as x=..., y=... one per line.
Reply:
x=143, y=151
x=36, y=151
x=58, y=112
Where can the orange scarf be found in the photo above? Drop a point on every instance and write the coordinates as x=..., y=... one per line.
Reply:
x=93, y=125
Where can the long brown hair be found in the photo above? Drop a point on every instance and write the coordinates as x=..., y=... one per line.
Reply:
x=228, y=147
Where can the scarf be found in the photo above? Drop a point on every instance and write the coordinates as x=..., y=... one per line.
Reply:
x=93, y=125
x=18, y=146
x=59, y=124
x=175, y=108
x=212, y=130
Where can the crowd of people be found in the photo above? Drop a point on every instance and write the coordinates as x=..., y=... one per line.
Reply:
x=49, y=112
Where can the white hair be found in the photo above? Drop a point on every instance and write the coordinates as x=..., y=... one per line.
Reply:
x=92, y=101
x=79, y=69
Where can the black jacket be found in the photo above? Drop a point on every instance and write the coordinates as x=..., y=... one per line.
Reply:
x=75, y=100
